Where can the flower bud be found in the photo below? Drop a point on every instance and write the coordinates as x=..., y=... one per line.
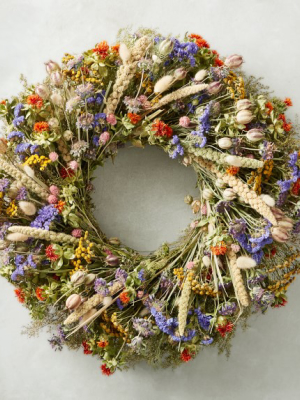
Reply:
x=53, y=123
x=196, y=205
x=57, y=99
x=255, y=135
x=68, y=135
x=73, y=301
x=89, y=279
x=165, y=47
x=220, y=183
x=243, y=104
x=216, y=108
x=112, y=260
x=27, y=207
x=78, y=277
x=234, y=61
x=225, y=143
x=56, y=78
x=180, y=73
x=187, y=160
x=279, y=235
x=188, y=199
x=184, y=121
x=114, y=241
x=156, y=59
x=229, y=194
x=43, y=91
x=206, y=261
x=51, y=66
x=285, y=225
x=244, y=117
x=104, y=138
x=200, y=75
x=208, y=194
x=214, y=87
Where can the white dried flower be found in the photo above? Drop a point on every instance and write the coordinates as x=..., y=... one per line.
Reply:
x=229, y=194
x=107, y=301
x=268, y=200
x=243, y=104
x=29, y=171
x=206, y=261
x=244, y=262
x=27, y=207
x=124, y=53
x=225, y=143
x=16, y=237
x=207, y=194
x=233, y=160
x=163, y=84
x=200, y=75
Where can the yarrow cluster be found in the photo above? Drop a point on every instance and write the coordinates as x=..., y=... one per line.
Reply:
x=240, y=252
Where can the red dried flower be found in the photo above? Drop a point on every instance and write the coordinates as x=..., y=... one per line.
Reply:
x=66, y=172
x=281, y=117
x=124, y=297
x=134, y=118
x=296, y=187
x=162, y=129
x=86, y=347
x=105, y=370
x=224, y=329
x=39, y=294
x=41, y=127
x=20, y=295
x=50, y=253
x=35, y=101
x=185, y=355
x=60, y=206
x=282, y=303
x=102, y=49
x=218, y=62
x=288, y=102
x=3, y=102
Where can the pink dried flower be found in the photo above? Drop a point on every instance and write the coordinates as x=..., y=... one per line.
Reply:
x=235, y=248
x=76, y=233
x=184, y=121
x=53, y=156
x=190, y=265
x=194, y=224
x=54, y=190
x=111, y=119
x=204, y=209
x=73, y=165
x=104, y=138
x=52, y=199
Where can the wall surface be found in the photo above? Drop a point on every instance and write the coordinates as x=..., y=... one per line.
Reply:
x=140, y=199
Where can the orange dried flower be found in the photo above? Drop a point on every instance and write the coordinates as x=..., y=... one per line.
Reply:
x=39, y=294
x=288, y=102
x=232, y=170
x=162, y=129
x=124, y=297
x=218, y=62
x=115, y=49
x=200, y=42
x=102, y=49
x=281, y=117
x=35, y=101
x=41, y=127
x=287, y=127
x=220, y=249
x=20, y=295
x=60, y=206
x=270, y=107
x=3, y=102
x=134, y=118
x=102, y=343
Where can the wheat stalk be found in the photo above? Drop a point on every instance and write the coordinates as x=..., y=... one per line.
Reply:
x=237, y=280
x=183, y=306
x=94, y=301
x=126, y=73
x=26, y=181
x=43, y=234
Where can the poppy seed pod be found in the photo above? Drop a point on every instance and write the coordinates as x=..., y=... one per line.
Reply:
x=180, y=73
x=243, y=104
x=234, y=61
x=166, y=46
x=208, y=194
x=225, y=143
x=112, y=260
x=51, y=66
x=89, y=279
x=229, y=194
x=244, y=117
x=255, y=135
x=43, y=91
x=73, y=301
x=220, y=183
x=214, y=87
x=56, y=78
x=57, y=99
x=78, y=277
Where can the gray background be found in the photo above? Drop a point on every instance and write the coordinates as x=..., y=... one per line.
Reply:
x=142, y=199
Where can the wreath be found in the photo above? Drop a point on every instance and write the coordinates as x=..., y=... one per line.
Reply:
x=238, y=256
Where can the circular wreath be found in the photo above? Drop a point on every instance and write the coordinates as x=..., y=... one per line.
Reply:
x=237, y=256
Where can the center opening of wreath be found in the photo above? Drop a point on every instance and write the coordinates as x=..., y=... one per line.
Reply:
x=139, y=198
